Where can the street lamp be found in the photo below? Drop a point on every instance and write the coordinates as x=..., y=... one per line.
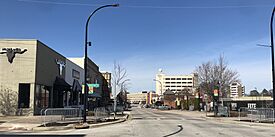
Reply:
x=86, y=43
x=272, y=54
x=160, y=85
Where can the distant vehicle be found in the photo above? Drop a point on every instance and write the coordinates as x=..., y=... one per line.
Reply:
x=164, y=107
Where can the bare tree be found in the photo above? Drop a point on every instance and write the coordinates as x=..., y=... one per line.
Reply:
x=8, y=101
x=119, y=81
x=216, y=73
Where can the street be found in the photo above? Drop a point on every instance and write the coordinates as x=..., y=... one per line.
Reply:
x=156, y=123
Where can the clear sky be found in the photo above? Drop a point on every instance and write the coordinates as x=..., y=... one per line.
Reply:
x=145, y=35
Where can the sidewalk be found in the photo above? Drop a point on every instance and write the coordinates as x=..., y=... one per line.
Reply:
x=210, y=116
x=35, y=123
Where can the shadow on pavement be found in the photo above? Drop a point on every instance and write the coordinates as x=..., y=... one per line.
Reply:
x=31, y=135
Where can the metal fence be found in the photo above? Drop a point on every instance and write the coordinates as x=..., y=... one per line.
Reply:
x=119, y=108
x=51, y=115
x=256, y=114
x=223, y=111
x=101, y=113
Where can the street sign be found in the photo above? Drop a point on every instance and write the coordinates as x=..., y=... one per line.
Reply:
x=93, y=85
x=90, y=88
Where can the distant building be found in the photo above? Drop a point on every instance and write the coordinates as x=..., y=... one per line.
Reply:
x=137, y=98
x=142, y=97
x=236, y=90
x=175, y=83
x=108, y=77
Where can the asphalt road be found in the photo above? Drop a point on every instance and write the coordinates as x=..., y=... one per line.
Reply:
x=156, y=123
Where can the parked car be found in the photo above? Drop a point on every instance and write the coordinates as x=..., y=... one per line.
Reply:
x=165, y=107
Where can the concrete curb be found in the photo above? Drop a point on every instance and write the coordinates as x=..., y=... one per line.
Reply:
x=71, y=126
x=109, y=123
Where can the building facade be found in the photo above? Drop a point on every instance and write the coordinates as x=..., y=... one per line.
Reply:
x=35, y=72
x=38, y=77
x=142, y=97
x=175, y=83
x=236, y=90
x=108, y=77
x=98, y=96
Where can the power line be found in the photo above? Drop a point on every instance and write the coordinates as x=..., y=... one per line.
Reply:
x=58, y=3
x=150, y=7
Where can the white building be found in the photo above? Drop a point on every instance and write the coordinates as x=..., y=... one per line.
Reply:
x=142, y=97
x=137, y=98
x=175, y=82
x=236, y=90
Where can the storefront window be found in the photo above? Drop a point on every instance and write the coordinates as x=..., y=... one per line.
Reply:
x=42, y=96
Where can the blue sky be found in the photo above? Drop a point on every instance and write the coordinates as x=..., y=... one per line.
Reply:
x=145, y=35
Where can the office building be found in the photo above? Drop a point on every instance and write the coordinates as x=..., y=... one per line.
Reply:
x=175, y=83
x=236, y=90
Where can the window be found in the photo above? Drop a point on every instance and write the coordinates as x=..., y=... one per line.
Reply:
x=173, y=82
x=189, y=79
x=42, y=96
x=183, y=82
x=183, y=78
x=167, y=82
x=173, y=78
x=167, y=78
x=178, y=86
x=178, y=78
x=75, y=74
x=178, y=82
x=24, y=96
x=189, y=82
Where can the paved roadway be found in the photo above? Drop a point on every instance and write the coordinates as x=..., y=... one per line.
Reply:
x=156, y=123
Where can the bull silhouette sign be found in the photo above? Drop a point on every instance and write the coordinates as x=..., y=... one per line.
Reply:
x=11, y=52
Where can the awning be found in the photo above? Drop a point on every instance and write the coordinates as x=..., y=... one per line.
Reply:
x=61, y=84
x=94, y=95
x=76, y=86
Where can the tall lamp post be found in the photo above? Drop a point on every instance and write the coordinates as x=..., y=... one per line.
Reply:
x=272, y=54
x=86, y=43
x=160, y=85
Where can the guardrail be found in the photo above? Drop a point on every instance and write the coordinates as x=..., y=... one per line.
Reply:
x=60, y=114
x=256, y=114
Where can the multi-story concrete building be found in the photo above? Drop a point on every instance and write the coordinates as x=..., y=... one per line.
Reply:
x=137, y=98
x=175, y=82
x=143, y=97
x=236, y=90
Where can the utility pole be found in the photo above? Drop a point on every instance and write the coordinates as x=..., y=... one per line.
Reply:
x=272, y=55
x=86, y=44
